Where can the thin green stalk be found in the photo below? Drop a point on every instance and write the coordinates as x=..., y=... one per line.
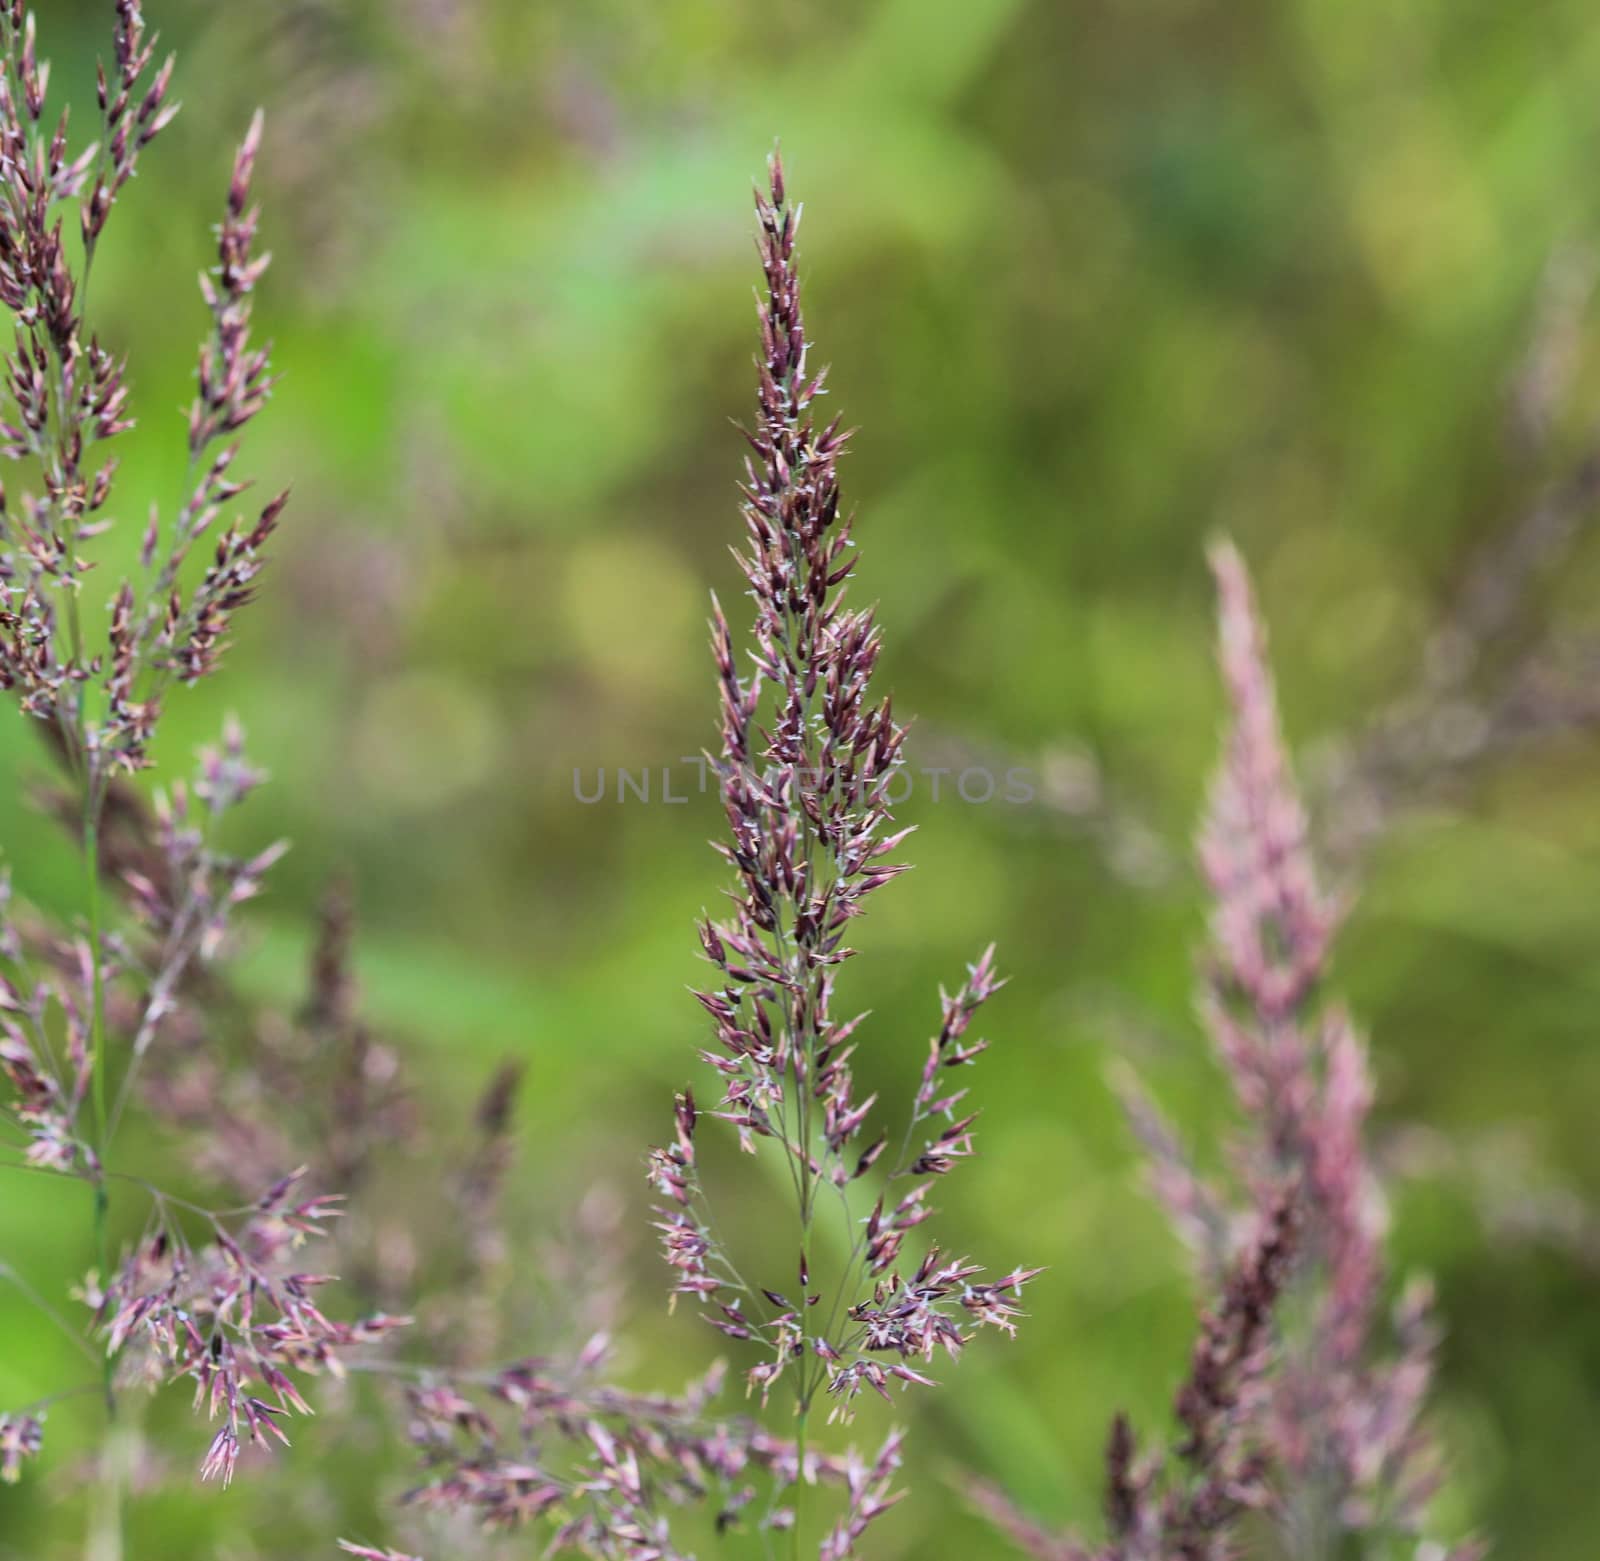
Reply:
x=105, y=1534
x=104, y=1541
x=801, y=1060
x=97, y=1030
x=91, y=873
x=803, y=1392
x=97, y=1051
x=800, y=1478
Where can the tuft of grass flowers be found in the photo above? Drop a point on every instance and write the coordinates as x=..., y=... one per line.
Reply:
x=1299, y=1413
x=807, y=761
x=216, y=1299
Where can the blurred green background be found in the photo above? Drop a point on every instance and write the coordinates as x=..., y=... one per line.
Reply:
x=1096, y=281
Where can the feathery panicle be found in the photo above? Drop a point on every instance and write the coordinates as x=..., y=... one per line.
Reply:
x=1301, y=1077
x=234, y=1314
x=229, y=1311
x=1298, y=1414
x=1341, y=1420
x=808, y=755
x=69, y=399
x=604, y=1469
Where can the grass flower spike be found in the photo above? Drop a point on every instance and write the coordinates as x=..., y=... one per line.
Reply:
x=807, y=761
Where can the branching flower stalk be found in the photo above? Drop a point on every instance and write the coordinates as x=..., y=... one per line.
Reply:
x=1342, y=1418
x=1334, y=1416
x=230, y=1311
x=807, y=762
